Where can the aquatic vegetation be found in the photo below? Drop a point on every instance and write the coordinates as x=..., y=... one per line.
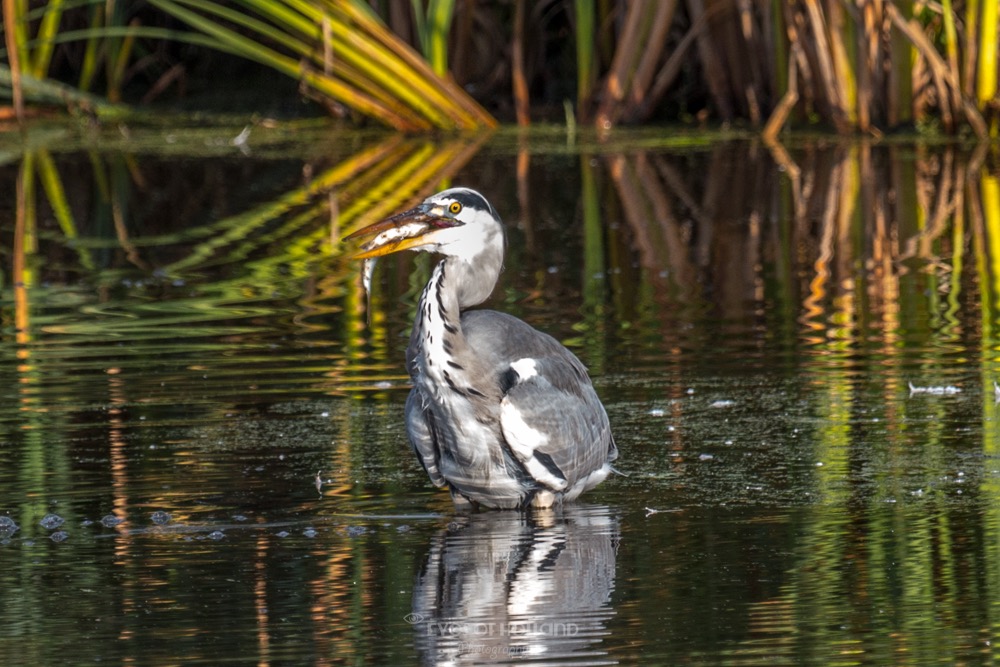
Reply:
x=340, y=52
x=851, y=67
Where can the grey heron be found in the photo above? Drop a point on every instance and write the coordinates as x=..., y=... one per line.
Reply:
x=500, y=413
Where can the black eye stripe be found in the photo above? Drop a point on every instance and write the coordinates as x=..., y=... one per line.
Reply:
x=468, y=200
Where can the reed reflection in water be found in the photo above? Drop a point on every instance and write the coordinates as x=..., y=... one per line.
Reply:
x=753, y=315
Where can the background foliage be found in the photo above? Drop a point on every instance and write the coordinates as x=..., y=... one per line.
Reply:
x=850, y=65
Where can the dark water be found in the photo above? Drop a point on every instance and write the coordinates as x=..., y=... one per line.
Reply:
x=202, y=455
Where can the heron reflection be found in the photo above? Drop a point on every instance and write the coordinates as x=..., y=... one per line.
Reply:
x=504, y=586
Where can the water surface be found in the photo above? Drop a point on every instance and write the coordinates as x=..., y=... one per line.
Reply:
x=202, y=454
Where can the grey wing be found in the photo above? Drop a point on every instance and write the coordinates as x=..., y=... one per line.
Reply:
x=421, y=432
x=554, y=422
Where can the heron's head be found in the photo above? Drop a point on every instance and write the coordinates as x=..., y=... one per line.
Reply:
x=457, y=223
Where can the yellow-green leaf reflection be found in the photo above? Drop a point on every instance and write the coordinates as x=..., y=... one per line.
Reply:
x=256, y=255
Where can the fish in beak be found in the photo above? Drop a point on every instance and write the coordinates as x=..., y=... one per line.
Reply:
x=402, y=231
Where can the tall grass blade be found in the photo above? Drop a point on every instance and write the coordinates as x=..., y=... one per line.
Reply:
x=420, y=24
x=522, y=104
x=120, y=63
x=45, y=38
x=971, y=31
x=93, y=50
x=16, y=53
x=114, y=16
x=649, y=57
x=951, y=50
x=868, y=47
x=715, y=74
x=672, y=67
x=842, y=34
x=785, y=105
x=828, y=84
x=439, y=17
x=48, y=91
x=900, y=96
x=630, y=45
x=989, y=33
x=779, y=47
x=585, y=45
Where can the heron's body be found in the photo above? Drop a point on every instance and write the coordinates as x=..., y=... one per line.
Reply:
x=500, y=413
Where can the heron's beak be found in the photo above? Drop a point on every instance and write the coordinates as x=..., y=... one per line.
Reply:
x=402, y=231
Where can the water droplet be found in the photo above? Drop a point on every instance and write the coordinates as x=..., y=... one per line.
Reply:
x=309, y=532
x=7, y=527
x=283, y=533
x=239, y=517
x=216, y=535
x=52, y=521
x=59, y=536
x=160, y=517
x=110, y=520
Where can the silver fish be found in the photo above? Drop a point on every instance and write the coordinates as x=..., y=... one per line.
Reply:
x=367, y=270
x=395, y=235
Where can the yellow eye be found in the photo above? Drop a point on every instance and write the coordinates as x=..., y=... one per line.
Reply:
x=455, y=208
